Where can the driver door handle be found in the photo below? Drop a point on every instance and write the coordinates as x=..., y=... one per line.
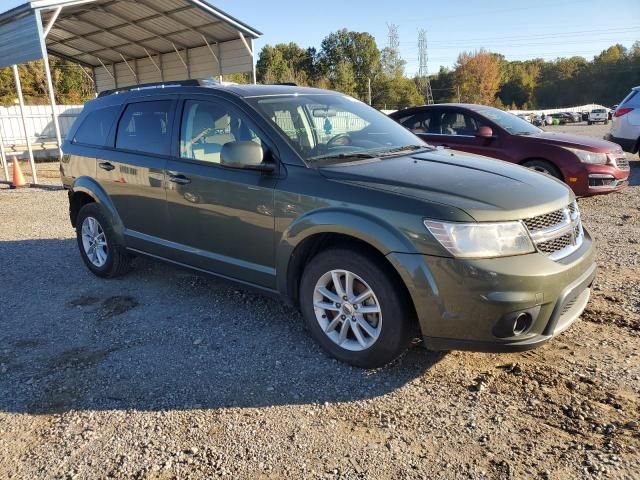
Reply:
x=106, y=166
x=179, y=179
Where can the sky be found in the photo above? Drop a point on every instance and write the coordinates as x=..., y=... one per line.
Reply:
x=517, y=29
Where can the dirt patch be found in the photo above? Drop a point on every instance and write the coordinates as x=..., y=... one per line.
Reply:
x=115, y=306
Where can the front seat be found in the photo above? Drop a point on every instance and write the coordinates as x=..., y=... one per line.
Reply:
x=448, y=121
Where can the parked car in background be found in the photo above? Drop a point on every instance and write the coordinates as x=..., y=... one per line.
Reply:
x=625, y=124
x=575, y=117
x=538, y=121
x=598, y=115
x=315, y=196
x=588, y=165
x=525, y=116
x=562, y=118
x=585, y=115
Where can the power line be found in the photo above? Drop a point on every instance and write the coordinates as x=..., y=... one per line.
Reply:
x=592, y=33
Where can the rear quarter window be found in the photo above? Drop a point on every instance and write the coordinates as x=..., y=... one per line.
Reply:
x=96, y=126
x=632, y=100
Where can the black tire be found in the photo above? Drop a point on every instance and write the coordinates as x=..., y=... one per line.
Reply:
x=398, y=326
x=118, y=261
x=589, y=122
x=543, y=166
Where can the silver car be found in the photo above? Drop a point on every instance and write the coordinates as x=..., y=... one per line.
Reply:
x=625, y=126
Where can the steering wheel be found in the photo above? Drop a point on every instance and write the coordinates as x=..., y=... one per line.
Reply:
x=333, y=141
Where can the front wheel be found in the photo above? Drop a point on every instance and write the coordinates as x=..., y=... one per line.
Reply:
x=354, y=308
x=543, y=166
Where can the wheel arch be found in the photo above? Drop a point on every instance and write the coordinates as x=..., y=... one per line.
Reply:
x=542, y=159
x=331, y=228
x=86, y=190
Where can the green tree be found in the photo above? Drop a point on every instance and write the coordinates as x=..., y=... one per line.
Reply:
x=344, y=79
x=358, y=49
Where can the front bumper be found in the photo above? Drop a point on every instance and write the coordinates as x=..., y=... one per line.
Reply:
x=469, y=304
x=600, y=179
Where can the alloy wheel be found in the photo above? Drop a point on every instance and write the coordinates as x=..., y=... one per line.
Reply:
x=94, y=242
x=347, y=310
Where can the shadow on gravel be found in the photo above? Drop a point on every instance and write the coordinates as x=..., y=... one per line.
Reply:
x=160, y=338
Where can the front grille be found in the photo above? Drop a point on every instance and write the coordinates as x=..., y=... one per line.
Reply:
x=622, y=163
x=556, y=244
x=557, y=234
x=545, y=221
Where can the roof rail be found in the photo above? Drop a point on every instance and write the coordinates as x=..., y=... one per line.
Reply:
x=144, y=86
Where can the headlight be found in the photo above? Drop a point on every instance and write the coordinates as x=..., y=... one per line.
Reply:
x=482, y=240
x=589, y=157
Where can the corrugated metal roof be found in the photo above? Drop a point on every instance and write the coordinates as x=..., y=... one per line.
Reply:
x=94, y=31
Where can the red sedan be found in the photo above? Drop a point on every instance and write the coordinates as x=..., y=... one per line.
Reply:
x=588, y=165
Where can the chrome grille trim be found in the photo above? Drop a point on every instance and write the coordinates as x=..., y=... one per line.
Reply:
x=621, y=163
x=557, y=234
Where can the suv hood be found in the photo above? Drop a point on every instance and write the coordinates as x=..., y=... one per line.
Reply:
x=575, y=141
x=486, y=189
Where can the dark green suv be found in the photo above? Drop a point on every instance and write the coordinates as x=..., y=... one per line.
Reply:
x=376, y=236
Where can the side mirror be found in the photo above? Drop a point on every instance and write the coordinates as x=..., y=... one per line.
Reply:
x=246, y=155
x=484, y=132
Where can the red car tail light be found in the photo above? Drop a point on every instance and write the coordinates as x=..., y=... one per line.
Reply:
x=622, y=111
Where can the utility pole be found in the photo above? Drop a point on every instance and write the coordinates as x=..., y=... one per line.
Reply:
x=423, y=73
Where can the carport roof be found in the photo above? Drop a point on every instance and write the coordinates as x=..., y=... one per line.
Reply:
x=97, y=32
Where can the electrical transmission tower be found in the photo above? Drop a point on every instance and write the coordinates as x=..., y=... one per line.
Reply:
x=394, y=39
x=423, y=73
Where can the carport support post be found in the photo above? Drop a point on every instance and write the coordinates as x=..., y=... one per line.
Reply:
x=52, y=98
x=16, y=76
x=3, y=155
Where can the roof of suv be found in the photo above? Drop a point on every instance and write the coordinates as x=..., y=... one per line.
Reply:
x=242, y=90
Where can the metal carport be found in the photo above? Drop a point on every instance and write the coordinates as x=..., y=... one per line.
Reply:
x=125, y=42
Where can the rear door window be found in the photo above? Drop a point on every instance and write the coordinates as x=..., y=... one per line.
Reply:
x=146, y=127
x=95, y=128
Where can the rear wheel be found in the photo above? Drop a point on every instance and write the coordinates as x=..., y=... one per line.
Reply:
x=355, y=309
x=543, y=166
x=97, y=243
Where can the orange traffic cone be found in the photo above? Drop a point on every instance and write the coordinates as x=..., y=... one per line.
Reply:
x=18, y=178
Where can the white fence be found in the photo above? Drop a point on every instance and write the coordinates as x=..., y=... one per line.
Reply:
x=39, y=126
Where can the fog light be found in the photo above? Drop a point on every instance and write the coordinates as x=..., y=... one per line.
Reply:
x=521, y=324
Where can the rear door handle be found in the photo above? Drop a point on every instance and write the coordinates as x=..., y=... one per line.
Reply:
x=106, y=166
x=179, y=179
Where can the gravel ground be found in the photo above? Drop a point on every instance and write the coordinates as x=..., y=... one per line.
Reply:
x=165, y=374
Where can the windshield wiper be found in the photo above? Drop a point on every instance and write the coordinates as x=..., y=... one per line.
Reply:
x=342, y=156
x=403, y=149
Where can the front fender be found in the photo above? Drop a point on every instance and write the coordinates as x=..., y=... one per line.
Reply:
x=365, y=227
x=92, y=188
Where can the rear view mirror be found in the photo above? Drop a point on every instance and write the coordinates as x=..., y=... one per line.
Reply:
x=247, y=155
x=484, y=132
x=324, y=112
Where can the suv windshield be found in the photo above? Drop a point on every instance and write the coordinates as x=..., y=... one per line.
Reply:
x=333, y=126
x=511, y=123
